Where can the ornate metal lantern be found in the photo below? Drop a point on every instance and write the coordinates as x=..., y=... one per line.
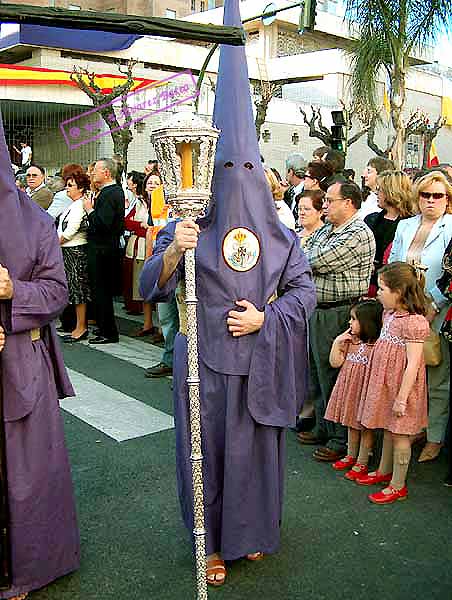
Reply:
x=185, y=149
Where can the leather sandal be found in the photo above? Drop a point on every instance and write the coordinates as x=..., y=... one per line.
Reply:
x=215, y=567
x=255, y=556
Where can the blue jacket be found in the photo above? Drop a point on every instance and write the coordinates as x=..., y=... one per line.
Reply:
x=431, y=257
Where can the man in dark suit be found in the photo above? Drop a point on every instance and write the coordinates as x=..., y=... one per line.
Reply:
x=106, y=225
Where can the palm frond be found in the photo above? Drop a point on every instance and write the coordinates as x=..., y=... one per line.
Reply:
x=427, y=18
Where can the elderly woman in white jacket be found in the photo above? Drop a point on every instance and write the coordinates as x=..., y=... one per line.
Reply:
x=422, y=240
x=72, y=231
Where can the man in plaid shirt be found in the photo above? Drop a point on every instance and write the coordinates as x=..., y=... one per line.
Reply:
x=341, y=255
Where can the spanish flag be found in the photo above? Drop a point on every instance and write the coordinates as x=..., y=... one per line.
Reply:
x=18, y=75
x=433, y=160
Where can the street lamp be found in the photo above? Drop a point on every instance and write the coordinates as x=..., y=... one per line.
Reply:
x=185, y=148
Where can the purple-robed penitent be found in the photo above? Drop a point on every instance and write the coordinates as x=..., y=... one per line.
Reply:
x=251, y=386
x=43, y=524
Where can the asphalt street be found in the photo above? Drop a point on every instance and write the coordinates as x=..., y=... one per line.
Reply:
x=335, y=544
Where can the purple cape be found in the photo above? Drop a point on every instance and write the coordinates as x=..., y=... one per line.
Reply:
x=43, y=526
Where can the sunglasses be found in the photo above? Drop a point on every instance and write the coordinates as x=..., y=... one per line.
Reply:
x=434, y=195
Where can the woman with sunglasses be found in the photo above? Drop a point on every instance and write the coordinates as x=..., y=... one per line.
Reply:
x=422, y=240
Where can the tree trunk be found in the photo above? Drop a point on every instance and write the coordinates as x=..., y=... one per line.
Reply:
x=397, y=100
x=261, y=113
x=426, y=151
x=121, y=140
x=121, y=136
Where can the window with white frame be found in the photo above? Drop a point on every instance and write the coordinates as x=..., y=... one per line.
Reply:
x=329, y=6
x=413, y=152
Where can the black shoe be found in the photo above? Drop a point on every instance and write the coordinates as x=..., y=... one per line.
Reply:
x=305, y=424
x=96, y=332
x=68, y=339
x=160, y=370
x=62, y=329
x=156, y=338
x=103, y=340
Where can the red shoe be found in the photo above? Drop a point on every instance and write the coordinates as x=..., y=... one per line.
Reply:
x=344, y=463
x=373, y=478
x=353, y=473
x=389, y=495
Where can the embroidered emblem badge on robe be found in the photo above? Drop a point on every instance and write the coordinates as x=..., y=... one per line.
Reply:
x=241, y=249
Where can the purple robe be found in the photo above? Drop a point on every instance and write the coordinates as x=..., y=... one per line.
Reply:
x=242, y=416
x=251, y=386
x=43, y=524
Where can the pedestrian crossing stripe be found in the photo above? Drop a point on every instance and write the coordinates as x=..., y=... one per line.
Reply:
x=115, y=414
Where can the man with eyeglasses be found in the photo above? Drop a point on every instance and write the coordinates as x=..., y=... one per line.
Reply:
x=341, y=255
x=36, y=187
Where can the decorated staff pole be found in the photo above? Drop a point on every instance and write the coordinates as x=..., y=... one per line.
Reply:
x=185, y=149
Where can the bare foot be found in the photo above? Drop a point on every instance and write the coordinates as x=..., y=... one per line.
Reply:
x=21, y=597
x=215, y=570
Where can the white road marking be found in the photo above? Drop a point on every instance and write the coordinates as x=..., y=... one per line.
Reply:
x=133, y=351
x=117, y=415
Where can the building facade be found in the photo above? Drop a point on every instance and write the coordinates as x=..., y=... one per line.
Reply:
x=147, y=8
x=312, y=68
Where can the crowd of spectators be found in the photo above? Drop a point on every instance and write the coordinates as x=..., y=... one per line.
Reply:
x=349, y=232
x=108, y=220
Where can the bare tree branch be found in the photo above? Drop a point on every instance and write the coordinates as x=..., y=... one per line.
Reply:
x=313, y=131
x=371, y=141
x=358, y=135
x=265, y=95
x=320, y=124
x=120, y=133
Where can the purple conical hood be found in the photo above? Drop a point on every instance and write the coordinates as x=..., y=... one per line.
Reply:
x=233, y=113
x=243, y=248
x=13, y=240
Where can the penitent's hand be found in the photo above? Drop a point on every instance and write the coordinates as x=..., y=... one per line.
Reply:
x=245, y=321
x=2, y=338
x=6, y=285
x=185, y=236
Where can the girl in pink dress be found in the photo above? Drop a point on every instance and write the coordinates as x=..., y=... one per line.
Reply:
x=352, y=351
x=396, y=394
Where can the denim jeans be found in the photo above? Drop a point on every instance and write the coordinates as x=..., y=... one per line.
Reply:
x=169, y=322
